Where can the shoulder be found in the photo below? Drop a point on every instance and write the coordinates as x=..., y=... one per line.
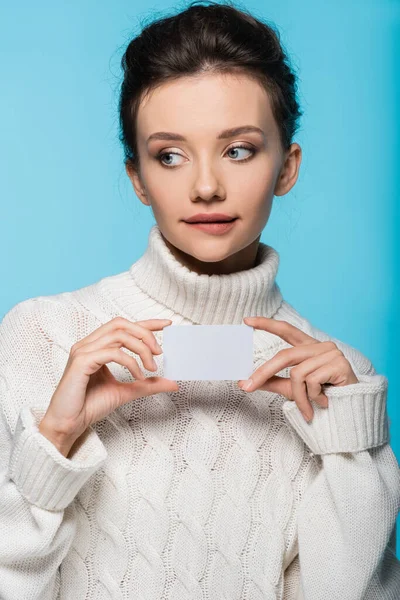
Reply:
x=69, y=316
x=360, y=363
x=33, y=311
x=57, y=319
x=36, y=336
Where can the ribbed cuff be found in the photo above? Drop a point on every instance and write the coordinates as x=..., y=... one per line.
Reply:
x=355, y=420
x=41, y=473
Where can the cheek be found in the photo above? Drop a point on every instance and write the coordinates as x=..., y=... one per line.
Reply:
x=160, y=191
x=258, y=178
x=161, y=183
x=256, y=201
x=256, y=192
x=258, y=212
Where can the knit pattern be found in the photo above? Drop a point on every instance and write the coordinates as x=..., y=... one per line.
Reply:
x=205, y=493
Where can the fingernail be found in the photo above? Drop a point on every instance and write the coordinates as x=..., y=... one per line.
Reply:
x=154, y=364
x=247, y=384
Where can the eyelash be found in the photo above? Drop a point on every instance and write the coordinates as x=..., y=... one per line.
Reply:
x=252, y=150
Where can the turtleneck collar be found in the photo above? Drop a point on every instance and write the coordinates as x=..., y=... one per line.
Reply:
x=208, y=299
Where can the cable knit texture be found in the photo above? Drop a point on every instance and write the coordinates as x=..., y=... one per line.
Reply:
x=207, y=493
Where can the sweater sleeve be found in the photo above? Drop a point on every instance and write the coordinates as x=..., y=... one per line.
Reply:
x=38, y=484
x=347, y=516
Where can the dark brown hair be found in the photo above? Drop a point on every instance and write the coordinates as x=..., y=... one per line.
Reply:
x=215, y=38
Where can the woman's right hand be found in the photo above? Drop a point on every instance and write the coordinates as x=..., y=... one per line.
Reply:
x=88, y=392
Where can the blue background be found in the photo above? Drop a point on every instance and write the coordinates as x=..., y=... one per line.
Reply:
x=69, y=215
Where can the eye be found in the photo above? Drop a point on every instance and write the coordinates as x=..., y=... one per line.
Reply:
x=161, y=155
x=243, y=147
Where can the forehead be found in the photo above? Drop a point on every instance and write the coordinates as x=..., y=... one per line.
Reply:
x=205, y=104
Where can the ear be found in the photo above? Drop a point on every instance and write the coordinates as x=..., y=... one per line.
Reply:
x=138, y=186
x=290, y=170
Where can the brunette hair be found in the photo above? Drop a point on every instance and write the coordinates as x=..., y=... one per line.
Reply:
x=216, y=38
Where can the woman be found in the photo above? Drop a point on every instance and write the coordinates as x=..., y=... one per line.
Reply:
x=119, y=483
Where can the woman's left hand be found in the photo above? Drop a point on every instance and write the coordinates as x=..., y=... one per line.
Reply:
x=317, y=364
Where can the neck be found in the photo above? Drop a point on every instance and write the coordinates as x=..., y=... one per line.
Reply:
x=202, y=298
x=244, y=259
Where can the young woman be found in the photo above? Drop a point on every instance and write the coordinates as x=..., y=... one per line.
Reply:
x=117, y=483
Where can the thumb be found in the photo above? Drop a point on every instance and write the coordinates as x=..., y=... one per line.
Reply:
x=153, y=385
x=146, y=387
x=279, y=385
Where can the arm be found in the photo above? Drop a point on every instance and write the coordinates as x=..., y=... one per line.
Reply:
x=38, y=483
x=347, y=517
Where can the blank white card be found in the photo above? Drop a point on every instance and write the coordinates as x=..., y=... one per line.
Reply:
x=211, y=352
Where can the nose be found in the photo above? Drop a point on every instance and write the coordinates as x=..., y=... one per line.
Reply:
x=207, y=183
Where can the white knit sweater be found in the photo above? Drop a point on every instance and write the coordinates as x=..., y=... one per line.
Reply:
x=207, y=493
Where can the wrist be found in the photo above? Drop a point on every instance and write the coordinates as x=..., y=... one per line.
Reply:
x=61, y=441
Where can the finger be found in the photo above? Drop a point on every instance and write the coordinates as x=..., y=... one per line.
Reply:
x=139, y=329
x=279, y=385
x=329, y=374
x=313, y=378
x=119, y=338
x=306, y=371
x=287, y=358
x=301, y=375
x=320, y=399
x=283, y=386
x=288, y=332
x=90, y=362
x=147, y=387
x=299, y=394
x=291, y=391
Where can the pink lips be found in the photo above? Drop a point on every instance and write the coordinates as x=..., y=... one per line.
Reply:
x=214, y=228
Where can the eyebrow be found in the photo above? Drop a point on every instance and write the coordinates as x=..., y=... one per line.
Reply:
x=227, y=133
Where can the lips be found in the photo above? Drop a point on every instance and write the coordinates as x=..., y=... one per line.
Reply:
x=216, y=221
x=217, y=228
x=210, y=218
